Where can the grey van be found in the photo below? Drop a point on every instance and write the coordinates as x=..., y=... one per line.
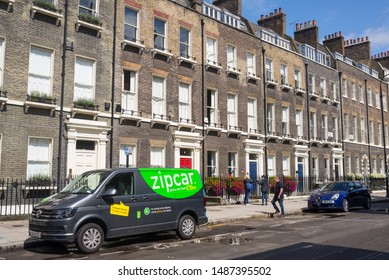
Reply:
x=107, y=204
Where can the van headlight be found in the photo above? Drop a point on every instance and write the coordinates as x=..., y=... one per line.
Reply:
x=64, y=213
x=335, y=196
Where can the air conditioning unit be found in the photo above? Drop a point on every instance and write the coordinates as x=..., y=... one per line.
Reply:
x=351, y=137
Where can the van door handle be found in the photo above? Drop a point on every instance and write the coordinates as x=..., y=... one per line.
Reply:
x=145, y=198
x=133, y=199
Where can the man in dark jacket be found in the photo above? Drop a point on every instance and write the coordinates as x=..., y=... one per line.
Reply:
x=264, y=188
x=278, y=196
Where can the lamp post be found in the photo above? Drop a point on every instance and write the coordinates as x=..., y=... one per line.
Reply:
x=383, y=132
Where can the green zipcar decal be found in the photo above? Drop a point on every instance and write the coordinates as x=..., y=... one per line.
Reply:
x=172, y=183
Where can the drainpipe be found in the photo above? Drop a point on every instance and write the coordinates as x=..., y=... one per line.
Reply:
x=60, y=129
x=202, y=102
x=113, y=83
x=264, y=105
x=341, y=119
x=309, y=132
x=368, y=126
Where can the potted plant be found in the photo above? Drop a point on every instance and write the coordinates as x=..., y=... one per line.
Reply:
x=90, y=19
x=215, y=186
x=48, y=5
x=85, y=103
x=41, y=97
x=39, y=180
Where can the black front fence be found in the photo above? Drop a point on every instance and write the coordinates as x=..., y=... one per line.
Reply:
x=18, y=197
x=233, y=188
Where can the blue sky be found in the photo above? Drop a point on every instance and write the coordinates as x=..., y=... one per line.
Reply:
x=355, y=18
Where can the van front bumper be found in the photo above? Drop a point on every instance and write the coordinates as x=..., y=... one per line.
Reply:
x=50, y=230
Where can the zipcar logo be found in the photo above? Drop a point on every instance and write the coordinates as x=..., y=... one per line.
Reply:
x=168, y=181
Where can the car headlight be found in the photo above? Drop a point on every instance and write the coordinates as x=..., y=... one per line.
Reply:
x=64, y=213
x=335, y=196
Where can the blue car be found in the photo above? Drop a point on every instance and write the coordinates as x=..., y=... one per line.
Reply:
x=340, y=196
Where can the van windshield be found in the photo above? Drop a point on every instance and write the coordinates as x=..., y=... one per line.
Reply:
x=86, y=183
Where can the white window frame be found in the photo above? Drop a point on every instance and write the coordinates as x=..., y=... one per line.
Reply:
x=335, y=129
x=271, y=118
x=285, y=129
x=269, y=69
x=370, y=96
x=315, y=167
x=271, y=165
x=377, y=101
x=163, y=35
x=131, y=156
x=91, y=11
x=323, y=87
x=213, y=167
x=353, y=91
x=130, y=96
x=2, y=58
x=252, y=114
x=212, y=50
x=135, y=27
x=233, y=164
x=297, y=78
x=361, y=94
x=187, y=45
x=232, y=110
x=231, y=57
x=38, y=75
x=344, y=85
x=157, y=156
x=185, y=101
x=313, y=124
x=371, y=131
x=283, y=74
x=348, y=164
x=363, y=130
x=35, y=157
x=79, y=81
x=324, y=126
x=158, y=103
x=379, y=134
x=212, y=107
x=299, y=123
x=346, y=126
x=250, y=60
x=354, y=127
x=311, y=83
x=286, y=165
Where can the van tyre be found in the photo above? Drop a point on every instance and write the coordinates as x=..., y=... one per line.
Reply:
x=89, y=238
x=186, y=227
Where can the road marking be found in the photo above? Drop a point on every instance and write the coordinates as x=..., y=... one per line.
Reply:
x=111, y=253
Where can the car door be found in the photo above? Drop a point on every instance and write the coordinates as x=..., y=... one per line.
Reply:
x=120, y=210
x=354, y=195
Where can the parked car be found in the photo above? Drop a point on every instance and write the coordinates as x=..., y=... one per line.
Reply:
x=340, y=196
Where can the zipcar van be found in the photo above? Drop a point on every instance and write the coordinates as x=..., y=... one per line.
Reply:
x=107, y=204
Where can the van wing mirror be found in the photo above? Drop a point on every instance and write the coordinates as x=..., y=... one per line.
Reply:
x=110, y=192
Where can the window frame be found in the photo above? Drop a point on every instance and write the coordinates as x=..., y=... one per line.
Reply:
x=94, y=12
x=129, y=92
x=155, y=98
x=137, y=29
x=49, y=161
x=156, y=35
x=51, y=71
x=93, y=86
x=159, y=149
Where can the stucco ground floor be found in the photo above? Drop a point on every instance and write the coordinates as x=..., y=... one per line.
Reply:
x=29, y=146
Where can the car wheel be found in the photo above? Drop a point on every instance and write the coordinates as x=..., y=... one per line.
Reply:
x=186, y=227
x=89, y=238
x=367, y=204
x=345, y=205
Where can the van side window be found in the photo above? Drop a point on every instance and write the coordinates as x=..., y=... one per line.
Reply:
x=123, y=183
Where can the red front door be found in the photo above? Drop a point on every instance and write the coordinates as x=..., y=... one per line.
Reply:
x=185, y=163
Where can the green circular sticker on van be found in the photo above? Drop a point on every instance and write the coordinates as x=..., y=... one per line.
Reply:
x=172, y=183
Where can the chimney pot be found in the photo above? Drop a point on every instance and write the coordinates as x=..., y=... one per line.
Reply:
x=387, y=53
x=336, y=34
x=275, y=11
x=355, y=41
x=340, y=33
x=363, y=39
x=359, y=39
x=297, y=26
x=367, y=38
x=314, y=22
x=280, y=10
x=346, y=42
x=375, y=56
x=325, y=37
x=271, y=13
x=301, y=26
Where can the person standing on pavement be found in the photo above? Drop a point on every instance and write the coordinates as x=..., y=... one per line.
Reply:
x=278, y=196
x=247, y=190
x=264, y=188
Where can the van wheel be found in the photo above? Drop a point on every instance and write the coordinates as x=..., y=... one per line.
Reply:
x=89, y=238
x=186, y=227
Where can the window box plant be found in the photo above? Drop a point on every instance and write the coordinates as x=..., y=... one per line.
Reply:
x=36, y=96
x=85, y=103
x=48, y=5
x=90, y=19
x=40, y=180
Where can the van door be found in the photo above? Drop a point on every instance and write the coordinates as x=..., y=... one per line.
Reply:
x=120, y=211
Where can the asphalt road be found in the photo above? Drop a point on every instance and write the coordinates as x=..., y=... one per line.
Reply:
x=359, y=234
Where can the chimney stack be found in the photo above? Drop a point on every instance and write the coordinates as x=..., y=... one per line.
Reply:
x=382, y=58
x=196, y=5
x=358, y=49
x=275, y=21
x=307, y=33
x=335, y=42
x=233, y=6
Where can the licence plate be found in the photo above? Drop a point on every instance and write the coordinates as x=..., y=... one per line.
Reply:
x=35, y=234
x=327, y=201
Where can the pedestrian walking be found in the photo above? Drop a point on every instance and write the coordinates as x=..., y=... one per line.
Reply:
x=278, y=196
x=247, y=188
x=264, y=188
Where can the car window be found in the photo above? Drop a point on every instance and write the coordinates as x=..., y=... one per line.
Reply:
x=358, y=185
x=123, y=183
x=339, y=186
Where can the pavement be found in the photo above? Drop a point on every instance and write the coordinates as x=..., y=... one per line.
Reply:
x=14, y=233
